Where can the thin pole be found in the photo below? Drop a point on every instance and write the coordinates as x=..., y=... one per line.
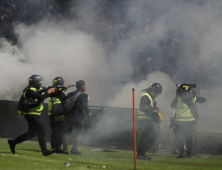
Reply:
x=134, y=129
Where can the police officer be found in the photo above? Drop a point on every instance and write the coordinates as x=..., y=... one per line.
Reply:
x=35, y=126
x=186, y=115
x=56, y=115
x=148, y=114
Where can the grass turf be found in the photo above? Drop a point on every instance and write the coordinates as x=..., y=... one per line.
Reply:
x=28, y=156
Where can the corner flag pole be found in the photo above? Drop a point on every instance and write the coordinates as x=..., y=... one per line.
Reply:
x=134, y=129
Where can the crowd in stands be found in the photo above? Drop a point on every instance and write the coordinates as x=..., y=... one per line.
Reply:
x=114, y=28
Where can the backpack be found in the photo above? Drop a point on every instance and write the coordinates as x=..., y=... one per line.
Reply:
x=57, y=109
x=23, y=105
x=69, y=103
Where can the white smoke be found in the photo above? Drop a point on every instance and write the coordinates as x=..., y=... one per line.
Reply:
x=70, y=48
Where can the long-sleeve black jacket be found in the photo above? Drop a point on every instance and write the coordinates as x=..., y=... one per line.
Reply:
x=80, y=107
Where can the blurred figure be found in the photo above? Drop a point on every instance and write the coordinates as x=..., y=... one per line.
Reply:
x=148, y=115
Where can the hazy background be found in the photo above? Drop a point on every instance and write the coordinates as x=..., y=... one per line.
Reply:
x=80, y=46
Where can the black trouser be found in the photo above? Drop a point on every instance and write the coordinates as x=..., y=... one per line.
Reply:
x=156, y=143
x=146, y=135
x=78, y=126
x=35, y=126
x=174, y=145
x=184, y=132
x=58, y=130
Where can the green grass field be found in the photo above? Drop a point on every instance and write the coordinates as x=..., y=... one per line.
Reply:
x=28, y=156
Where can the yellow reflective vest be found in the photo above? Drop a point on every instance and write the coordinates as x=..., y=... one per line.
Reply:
x=142, y=115
x=52, y=101
x=38, y=109
x=183, y=112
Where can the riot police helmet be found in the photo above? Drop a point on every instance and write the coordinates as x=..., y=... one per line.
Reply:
x=155, y=89
x=35, y=80
x=185, y=91
x=58, y=81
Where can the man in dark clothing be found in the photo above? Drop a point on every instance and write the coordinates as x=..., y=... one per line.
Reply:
x=148, y=114
x=75, y=119
x=35, y=126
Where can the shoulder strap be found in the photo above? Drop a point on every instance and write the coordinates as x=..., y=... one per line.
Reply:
x=76, y=95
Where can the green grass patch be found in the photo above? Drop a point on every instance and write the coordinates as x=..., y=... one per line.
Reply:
x=28, y=156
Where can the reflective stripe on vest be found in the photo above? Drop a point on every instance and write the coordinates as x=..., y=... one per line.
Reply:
x=142, y=115
x=38, y=109
x=183, y=112
x=52, y=101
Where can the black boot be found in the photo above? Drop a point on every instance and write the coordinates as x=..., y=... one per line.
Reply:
x=58, y=150
x=12, y=145
x=75, y=151
x=181, y=155
x=47, y=152
x=144, y=156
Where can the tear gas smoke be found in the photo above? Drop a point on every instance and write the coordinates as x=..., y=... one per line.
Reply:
x=75, y=49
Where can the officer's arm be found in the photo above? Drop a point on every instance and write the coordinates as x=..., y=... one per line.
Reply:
x=200, y=100
x=55, y=94
x=32, y=94
x=193, y=108
x=145, y=101
x=174, y=103
x=63, y=96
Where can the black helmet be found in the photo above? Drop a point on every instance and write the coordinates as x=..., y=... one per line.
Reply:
x=58, y=81
x=155, y=89
x=185, y=91
x=35, y=80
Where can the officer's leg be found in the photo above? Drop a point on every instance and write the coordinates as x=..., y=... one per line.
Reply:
x=174, y=145
x=59, y=135
x=155, y=146
x=31, y=130
x=180, y=138
x=40, y=130
x=53, y=133
x=151, y=135
x=68, y=130
x=79, y=125
x=188, y=138
x=26, y=136
x=142, y=138
x=147, y=138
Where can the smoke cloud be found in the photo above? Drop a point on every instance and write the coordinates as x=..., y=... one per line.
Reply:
x=81, y=48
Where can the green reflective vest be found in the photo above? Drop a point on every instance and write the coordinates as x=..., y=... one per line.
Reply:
x=38, y=109
x=182, y=111
x=142, y=115
x=52, y=101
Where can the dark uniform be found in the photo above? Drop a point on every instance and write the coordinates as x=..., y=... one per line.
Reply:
x=56, y=116
x=186, y=114
x=35, y=126
x=75, y=119
x=184, y=120
x=146, y=120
